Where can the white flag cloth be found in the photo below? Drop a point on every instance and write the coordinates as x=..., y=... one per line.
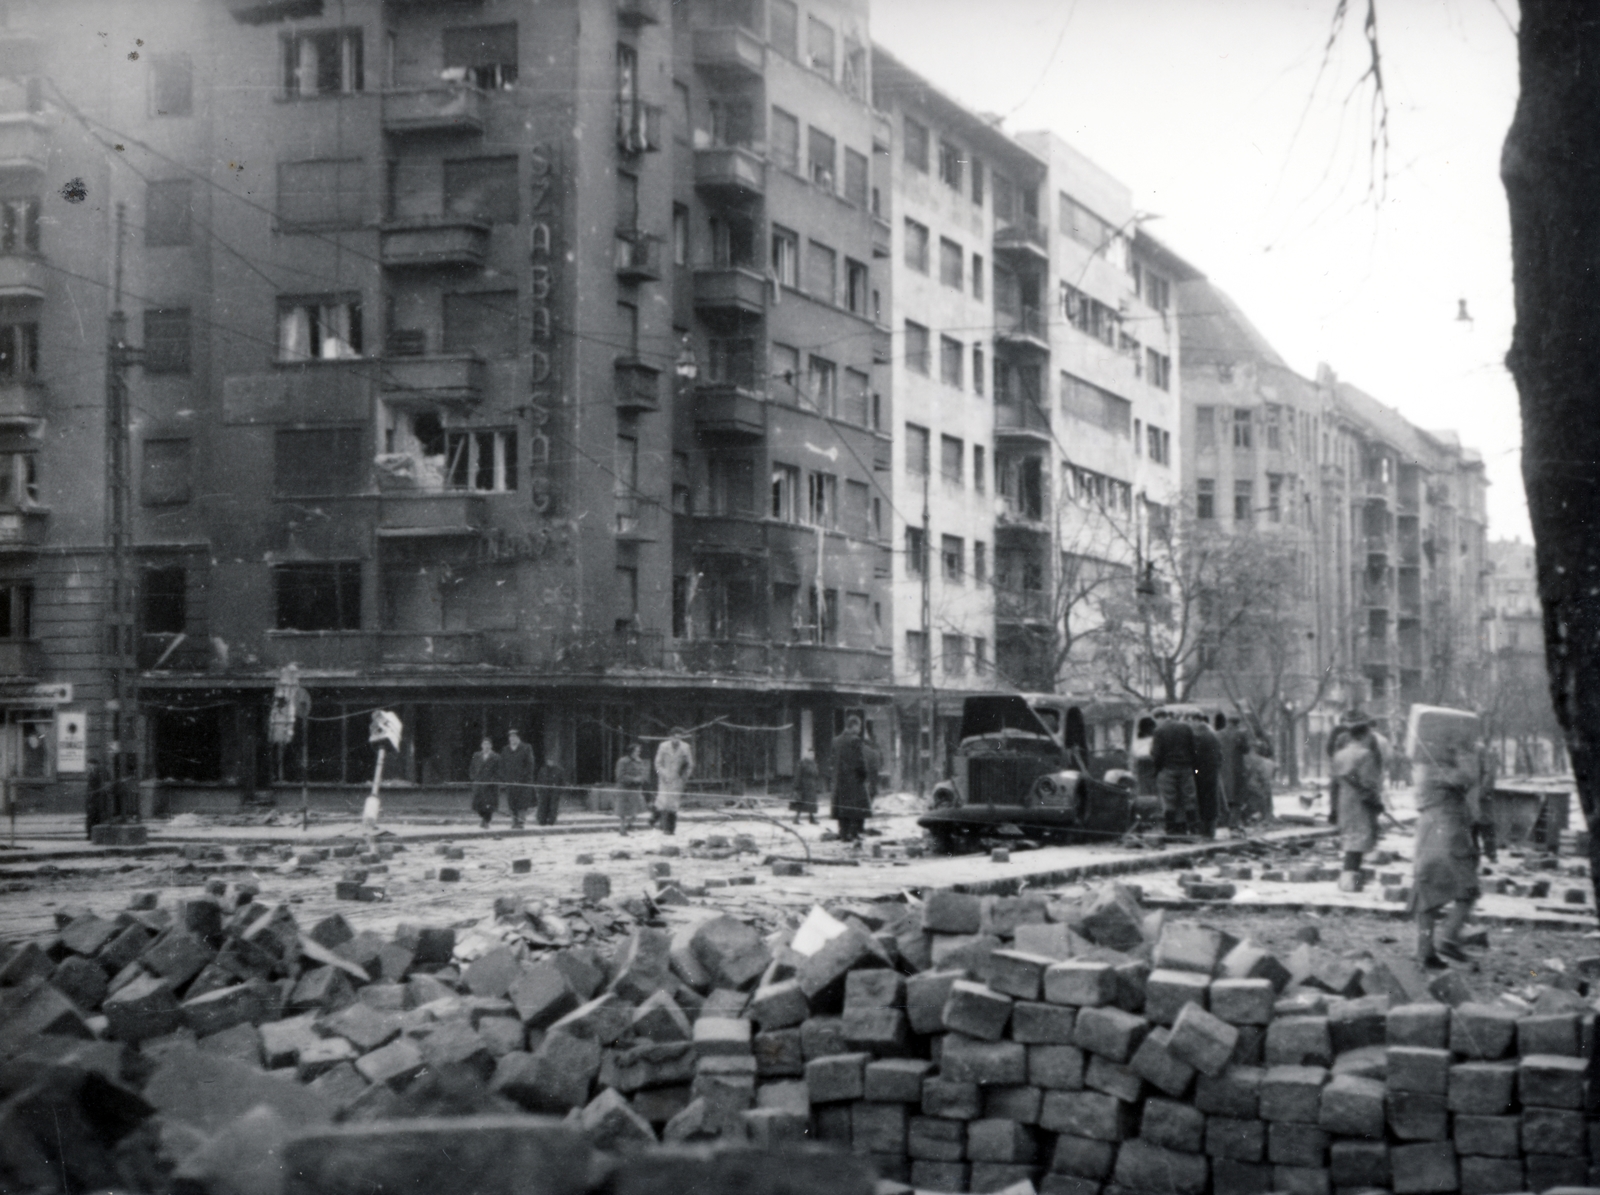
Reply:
x=385, y=725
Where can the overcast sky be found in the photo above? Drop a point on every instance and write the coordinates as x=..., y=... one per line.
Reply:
x=1213, y=112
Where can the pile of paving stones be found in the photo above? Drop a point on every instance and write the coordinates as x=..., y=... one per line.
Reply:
x=960, y=1043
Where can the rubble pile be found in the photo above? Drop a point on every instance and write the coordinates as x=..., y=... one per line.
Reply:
x=960, y=1043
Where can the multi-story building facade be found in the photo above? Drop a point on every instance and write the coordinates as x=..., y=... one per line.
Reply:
x=476, y=390
x=1521, y=720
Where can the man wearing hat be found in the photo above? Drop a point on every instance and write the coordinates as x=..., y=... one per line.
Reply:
x=1357, y=771
x=674, y=766
x=517, y=769
x=852, y=800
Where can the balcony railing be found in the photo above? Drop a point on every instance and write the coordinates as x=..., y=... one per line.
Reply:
x=1024, y=419
x=404, y=514
x=638, y=256
x=1022, y=234
x=1378, y=545
x=21, y=657
x=354, y=651
x=729, y=410
x=637, y=385
x=639, y=127
x=23, y=528
x=606, y=652
x=731, y=289
x=435, y=242
x=786, y=661
x=730, y=50
x=448, y=108
x=446, y=378
x=22, y=276
x=21, y=402
x=731, y=171
x=1026, y=328
x=24, y=142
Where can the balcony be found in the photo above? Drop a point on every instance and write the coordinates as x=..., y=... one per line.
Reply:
x=728, y=411
x=637, y=385
x=24, y=142
x=356, y=651
x=882, y=237
x=23, y=528
x=1377, y=545
x=882, y=344
x=731, y=52
x=782, y=661
x=1411, y=655
x=1023, y=237
x=639, y=127
x=441, y=242
x=22, y=403
x=1025, y=421
x=1010, y=515
x=443, y=378
x=1376, y=487
x=1377, y=655
x=1024, y=329
x=176, y=653
x=882, y=131
x=633, y=13
x=608, y=651
x=448, y=108
x=735, y=291
x=21, y=657
x=638, y=256
x=1028, y=605
x=22, y=276
x=431, y=515
x=730, y=172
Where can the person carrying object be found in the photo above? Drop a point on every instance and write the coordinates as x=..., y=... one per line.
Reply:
x=1445, y=879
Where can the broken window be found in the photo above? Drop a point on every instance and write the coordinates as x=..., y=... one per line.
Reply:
x=786, y=493
x=483, y=55
x=318, y=596
x=481, y=460
x=732, y=484
x=19, y=225
x=324, y=62
x=822, y=499
x=822, y=384
x=819, y=47
x=163, y=600
x=953, y=556
x=855, y=288
x=319, y=328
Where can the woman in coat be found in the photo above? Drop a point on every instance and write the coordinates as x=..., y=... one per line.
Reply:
x=484, y=772
x=851, y=802
x=807, y=784
x=1446, y=868
x=1357, y=770
x=633, y=773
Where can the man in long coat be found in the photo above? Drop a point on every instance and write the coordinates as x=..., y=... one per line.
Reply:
x=484, y=772
x=517, y=769
x=1357, y=770
x=851, y=801
x=1210, y=800
x=674, y=766
x=1235, y=744
x=1445, y=879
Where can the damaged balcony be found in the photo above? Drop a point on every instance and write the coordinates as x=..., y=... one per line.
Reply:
x=431, y=515
x=433, y=242
x=637, y=384
x=730, y=290
x=730, y=172
x=1025, y=328
x=359, y=651
x=782, y=661
x=731, y=52
x=22, y=403
x=22, y=276
x=1022, y=421
x=730, y=411
x=1023, y=239
x=455, y=378
x=447, y=108
x=633, y=13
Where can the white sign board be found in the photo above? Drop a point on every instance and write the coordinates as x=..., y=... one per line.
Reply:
x=72, y=741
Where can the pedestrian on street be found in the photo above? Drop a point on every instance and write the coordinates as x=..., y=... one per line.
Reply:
x=98, y=799
x=674, y=766
x=874, y=760
x=852, y=802
x=547, y=788
x=1358, y=771
x=484, y=772
x=807, y=784
x=1446, y=869
x=1209, y=801
x=1235, y=744
x=516, y=777
x=632, y=774
x=1173, y=754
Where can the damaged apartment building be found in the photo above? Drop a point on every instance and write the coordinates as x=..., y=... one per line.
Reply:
x=503, y=364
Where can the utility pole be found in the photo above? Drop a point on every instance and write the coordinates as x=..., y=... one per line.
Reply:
x=120, y=650
x=926, y=721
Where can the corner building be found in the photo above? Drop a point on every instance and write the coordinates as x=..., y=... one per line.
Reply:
x=505, y=364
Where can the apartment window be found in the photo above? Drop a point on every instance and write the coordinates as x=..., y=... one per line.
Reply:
x=857, y=508
x=1205, y=427
x=950, y=166
x=855, y=178
x=166, y=340
x=682, y=486
x=917, y=349
x=1005, y=199
x=917, y=246
x=1271, y=419
x=979, y=475
x=1152, y=287
x=16, y=611
x=324, y=460
x=786, y=493
x=1160, y=445
x=325, y=62
x=856, y=288
x=785, y=256
x=955, y=655
x=916, y=649
x=1244, y=501
x=978, y=369
x=915, y=135
x=980, y=657
x=164, y=472
x=977, y=275
x=682, y=123
x=822, y=272
x=324, y=327
x=680, y=235
x=733, y=361
x=1138, y=437
x=916, y=553
x=163, y=599
x=856, y=388
x=783, y=371
x=483, y=323
x=1274, y=497
x=783, y=25
x=953, y=558
x=951, y=258
x=1243, y=436
x=171, y=85
x=821, y=158
x=819, y=47
x=952, y=459
x=1158, y=369
x=167, y=205
x=329, y=193
x=951, y=355
x=484, y=188
x=980, y=561
x=822, y=499
x=485, y=54
x=786, y=140
x=822, y=382
x=318, y=596
x=486, y=461
x=731, y=481
x=916, y=449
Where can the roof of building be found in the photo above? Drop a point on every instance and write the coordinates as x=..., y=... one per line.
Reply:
x=1213, y=328
x=892, y=78
x=1158, y=252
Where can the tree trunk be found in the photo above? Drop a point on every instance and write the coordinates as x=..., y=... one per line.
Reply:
x=1551, y=170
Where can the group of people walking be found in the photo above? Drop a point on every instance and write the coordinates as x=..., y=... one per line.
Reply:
x=516, y=775
x=1204, y=775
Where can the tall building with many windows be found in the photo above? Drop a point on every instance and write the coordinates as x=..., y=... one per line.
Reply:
x=506, y=364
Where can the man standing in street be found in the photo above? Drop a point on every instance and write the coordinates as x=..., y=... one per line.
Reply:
x=516, y=777
x=1207, y=775
x=851, y=801
x=632, y=775
x=1358, y=771
x=484, y=772
x=547, y=787
x=674, y=766
x=1172, y=752
x=1235, y=744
